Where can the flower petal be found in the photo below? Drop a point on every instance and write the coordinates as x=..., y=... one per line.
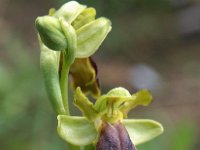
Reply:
x=84, y=105
x=142, y=97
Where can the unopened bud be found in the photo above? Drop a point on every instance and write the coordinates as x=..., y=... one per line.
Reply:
x=91, y=35
x=84, y=18
x=69, y=11
x=50, y=32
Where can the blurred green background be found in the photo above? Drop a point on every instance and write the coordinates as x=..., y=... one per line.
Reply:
x=153, y=44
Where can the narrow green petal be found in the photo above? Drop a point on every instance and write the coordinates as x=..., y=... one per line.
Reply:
x=70, y=11
x=76, y=130
x=90, y=36
x=49, y=65
x=142, y=130
x=142, y=97
x=83, y=103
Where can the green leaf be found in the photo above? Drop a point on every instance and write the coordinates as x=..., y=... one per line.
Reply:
x=76, y=130
x=70, y=11
x=91, y=35
x=49, y=65
x=51, y=33
x=142, y=130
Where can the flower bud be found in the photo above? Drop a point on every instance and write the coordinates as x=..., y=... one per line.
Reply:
x=91, y=35
x=51, y=33
x=114, y=137
x=70, y=11
x=85, y=17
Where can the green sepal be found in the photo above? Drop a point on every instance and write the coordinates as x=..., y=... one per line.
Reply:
x=49, y=65
x=142, y=130
x=91, y=35
x=76, y=130
x=51, y=33
x=70, y=11
x=86, y=107
x=85, y=17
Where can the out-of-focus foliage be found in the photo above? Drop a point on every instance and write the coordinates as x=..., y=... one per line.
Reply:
x=26, y=119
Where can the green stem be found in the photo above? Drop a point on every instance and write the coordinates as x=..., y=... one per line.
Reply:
x=64, y=84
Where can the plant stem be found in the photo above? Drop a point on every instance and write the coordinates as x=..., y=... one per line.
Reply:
x=64, y=84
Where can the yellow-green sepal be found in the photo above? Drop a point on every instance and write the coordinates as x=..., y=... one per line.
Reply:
x=142, y=130
x=76, y=130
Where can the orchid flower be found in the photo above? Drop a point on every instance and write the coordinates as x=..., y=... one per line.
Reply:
x=68, y=37
x=109, y=110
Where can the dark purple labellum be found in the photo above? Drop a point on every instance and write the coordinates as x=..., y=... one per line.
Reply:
x=114, y=137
